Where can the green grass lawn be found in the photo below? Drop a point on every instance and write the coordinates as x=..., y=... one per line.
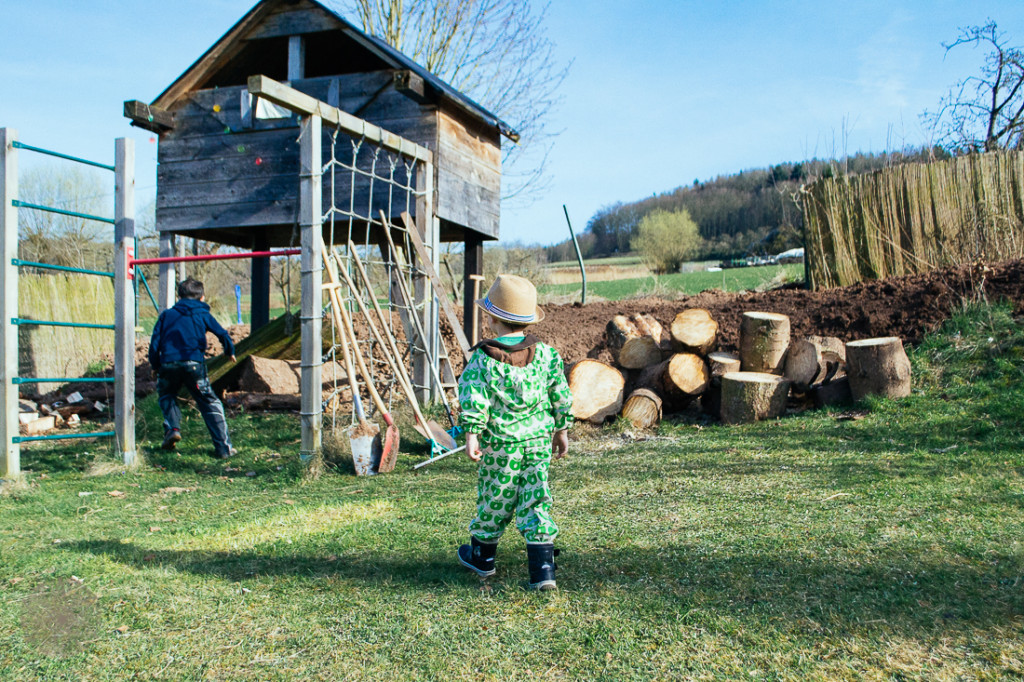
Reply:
x=687, y=283
x=881, y=542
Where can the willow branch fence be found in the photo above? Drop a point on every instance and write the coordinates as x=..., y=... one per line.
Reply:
x=914, y=218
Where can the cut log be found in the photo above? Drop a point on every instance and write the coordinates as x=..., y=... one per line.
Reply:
x=722, y=363
x=719, y=363
x=685, y=377
x=694, y=331
x=753, y=396
x=677, y=381
x=596, y=390
x=878, y=367
x=634, y=343
x=643, y=408
x=832, y=393
x=764, y=338
x=263, y=402
x=814, y=359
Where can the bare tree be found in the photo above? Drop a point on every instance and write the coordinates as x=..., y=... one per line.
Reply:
x=984, y=112
x=497, y=52
x=61, y=239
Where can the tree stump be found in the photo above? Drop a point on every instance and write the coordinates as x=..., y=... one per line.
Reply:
x=878, y=367
x=634, y=343
x=719, y=363
x=694, y=331
x=642, y=408
x=596, y=390
x=764, y=338
x=753, y=396
x=813, y=360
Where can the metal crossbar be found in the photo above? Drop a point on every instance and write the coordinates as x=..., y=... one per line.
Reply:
x=149, y=291
x=51, y=323
x=64, y=436
x=61, y=211
x=61, y=268
x=64, y=380
x=49, y=152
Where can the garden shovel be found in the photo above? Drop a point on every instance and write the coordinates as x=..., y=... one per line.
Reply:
x=389, y=448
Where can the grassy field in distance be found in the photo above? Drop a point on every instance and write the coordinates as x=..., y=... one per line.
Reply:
x=629, y=285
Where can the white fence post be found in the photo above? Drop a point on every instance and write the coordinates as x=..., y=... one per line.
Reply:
x=311, y=226
x=124, y=299
x=10, y=456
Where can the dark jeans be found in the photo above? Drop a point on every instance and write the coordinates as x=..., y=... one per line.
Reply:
x=192, y=375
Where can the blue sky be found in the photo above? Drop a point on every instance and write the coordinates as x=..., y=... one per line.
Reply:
x=661, y=92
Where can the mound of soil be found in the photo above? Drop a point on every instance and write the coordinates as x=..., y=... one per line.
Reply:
x=906, y=307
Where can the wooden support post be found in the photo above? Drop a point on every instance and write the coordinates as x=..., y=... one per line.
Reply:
x=259, y=298
x=474, y=314
x=473, y=267
x=165, y=289
x=179, y=247
x=124, y=299
x=296, y=58
x=10, y=452
x=426, y=228
x=311, y=315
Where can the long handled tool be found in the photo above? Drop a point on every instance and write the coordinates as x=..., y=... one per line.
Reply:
x=430, y=430
x=417, y=324
x=392, y=438
x=363, y=435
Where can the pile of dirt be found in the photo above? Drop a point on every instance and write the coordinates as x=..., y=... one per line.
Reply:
x=906, y=307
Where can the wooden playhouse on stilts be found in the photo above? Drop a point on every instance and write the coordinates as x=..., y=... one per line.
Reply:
x=295, y=126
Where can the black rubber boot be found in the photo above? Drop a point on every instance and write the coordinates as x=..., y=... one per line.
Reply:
x=542, y=566
x=478, y=557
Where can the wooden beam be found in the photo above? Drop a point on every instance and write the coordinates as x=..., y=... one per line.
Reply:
x=439, y=290
x=301, y=103
x=10, y=452
x=473, y=269
x=310, y=275
x=148, y=117
x=411, y=85
x=124, y=299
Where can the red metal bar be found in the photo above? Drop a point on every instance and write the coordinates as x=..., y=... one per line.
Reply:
x=215, y=256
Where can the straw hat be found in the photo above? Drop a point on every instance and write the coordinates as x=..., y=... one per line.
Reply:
x=512, y=299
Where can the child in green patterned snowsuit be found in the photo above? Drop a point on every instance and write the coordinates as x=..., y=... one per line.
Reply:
x=516, y=413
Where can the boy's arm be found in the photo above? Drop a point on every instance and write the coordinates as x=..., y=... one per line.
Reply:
x=474, y=396
x=154, y=344
x=222, y=335
x=558, y=393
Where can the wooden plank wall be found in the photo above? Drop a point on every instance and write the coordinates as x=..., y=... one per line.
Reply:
x=220, y=168
x=914, y=218
x=468, y=174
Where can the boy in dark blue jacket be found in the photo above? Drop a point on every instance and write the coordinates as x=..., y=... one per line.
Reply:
x=177, y=353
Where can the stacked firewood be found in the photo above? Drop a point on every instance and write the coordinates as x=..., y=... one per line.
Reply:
x=658, y=371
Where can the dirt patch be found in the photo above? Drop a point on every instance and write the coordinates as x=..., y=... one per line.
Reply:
x=906, y=307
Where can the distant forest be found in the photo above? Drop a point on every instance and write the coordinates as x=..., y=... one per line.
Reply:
x=751, y=213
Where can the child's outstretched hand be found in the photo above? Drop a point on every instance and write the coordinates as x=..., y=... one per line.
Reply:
x=473, y=447
x=560, y=444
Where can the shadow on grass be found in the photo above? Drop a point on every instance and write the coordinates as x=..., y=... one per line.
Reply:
x=902, y=589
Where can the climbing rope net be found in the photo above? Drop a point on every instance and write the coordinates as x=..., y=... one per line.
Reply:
x=368, y=188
